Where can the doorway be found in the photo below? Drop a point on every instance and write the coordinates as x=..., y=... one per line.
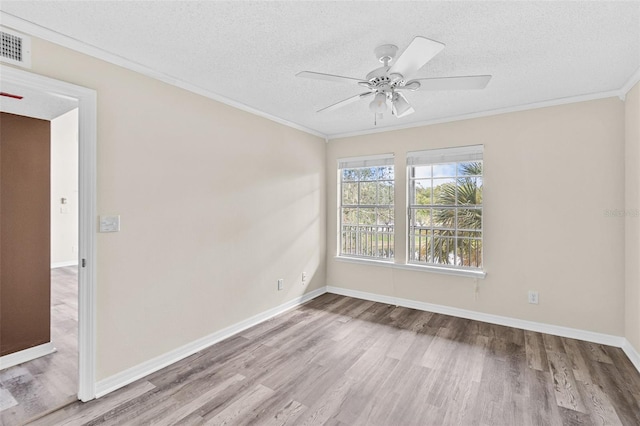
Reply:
x=85, y=99
x=38, y=308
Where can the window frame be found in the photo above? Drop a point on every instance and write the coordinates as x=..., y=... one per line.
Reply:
x=456, y=155
x=353, y=163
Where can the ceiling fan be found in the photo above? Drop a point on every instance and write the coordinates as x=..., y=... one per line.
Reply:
x=387, y=83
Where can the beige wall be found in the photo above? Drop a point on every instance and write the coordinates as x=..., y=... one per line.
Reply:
x=64, y=184
x=632, y=218
x=216, y=204
x=550, y=176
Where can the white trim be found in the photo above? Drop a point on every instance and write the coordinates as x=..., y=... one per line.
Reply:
x=364, y=261
x=26, y=355
x=515, y=108
x=132, y=374
x=87, y=140
x=35, y=30
x=87, y=274
x=82, y=47
x=63, y=264
x=556, y=330
x=633, y=80
x=468, y=273
x=632, y=354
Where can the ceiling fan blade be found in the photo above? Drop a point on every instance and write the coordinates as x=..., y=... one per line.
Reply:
x=420, y=51
x=345, y=102
x=470, y=82
x=400, y=106
x=327, y=77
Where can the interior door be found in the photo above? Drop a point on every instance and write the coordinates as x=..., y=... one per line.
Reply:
x=25, y=283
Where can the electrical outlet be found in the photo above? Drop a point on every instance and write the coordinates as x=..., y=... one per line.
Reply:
x=280, y=283
x=304, y=278
x=533, y=297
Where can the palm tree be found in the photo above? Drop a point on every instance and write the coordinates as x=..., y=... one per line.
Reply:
x=466, y=191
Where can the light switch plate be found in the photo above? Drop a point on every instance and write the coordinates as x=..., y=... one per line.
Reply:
x=109, y=223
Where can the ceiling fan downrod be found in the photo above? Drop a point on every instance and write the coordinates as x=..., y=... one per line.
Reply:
x=386, y=53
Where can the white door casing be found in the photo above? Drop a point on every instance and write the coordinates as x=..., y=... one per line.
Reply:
x=87, y=141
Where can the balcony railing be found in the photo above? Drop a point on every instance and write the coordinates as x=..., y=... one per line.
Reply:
x=377, y=241
x=367, y=241
x=441, y=246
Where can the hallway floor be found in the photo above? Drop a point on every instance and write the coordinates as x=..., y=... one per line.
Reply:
x=37, y=387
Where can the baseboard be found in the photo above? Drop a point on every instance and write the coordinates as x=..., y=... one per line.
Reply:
x=26, y=355
x=139, y=371
x=63, y=264
x=573, y=333
x=632, y=354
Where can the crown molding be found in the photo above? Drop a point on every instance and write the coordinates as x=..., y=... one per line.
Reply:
x=632, y=81
x=35, y=30
x=488, y=113
x=51, y=36
x=620, y=93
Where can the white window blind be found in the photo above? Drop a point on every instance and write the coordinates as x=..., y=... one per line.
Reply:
x=368, y=161
x=445, y=155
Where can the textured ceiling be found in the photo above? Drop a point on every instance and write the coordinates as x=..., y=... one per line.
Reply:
x=34, y=103
x=250, y=52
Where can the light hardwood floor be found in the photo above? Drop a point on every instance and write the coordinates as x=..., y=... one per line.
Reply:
x=343, y=361
x=49, y=382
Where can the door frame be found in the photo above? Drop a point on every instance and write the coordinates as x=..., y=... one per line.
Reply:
x=87, y=278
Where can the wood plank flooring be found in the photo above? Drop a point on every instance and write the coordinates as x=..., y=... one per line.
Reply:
x=49, y=382
x=344, y=361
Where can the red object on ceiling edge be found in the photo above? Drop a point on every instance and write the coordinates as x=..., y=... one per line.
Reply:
x=9, y=95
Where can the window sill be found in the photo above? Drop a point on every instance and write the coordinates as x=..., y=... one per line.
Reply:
x=388, y=263
x=412, y=267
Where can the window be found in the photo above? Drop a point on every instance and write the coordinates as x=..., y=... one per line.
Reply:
x=366, y=207
x=445, y=207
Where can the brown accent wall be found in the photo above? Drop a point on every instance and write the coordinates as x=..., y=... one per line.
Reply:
x=25, y=274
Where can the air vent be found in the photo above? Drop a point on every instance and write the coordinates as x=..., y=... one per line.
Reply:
x=15, y=48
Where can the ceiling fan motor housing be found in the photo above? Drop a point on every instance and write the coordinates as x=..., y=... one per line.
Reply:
x=386, y=53
x=380, y=77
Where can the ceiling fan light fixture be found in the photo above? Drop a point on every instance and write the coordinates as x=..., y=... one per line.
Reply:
x=400, y=106
x=379, y=103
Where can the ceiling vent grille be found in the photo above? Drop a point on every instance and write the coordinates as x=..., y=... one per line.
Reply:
x=15, y=48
